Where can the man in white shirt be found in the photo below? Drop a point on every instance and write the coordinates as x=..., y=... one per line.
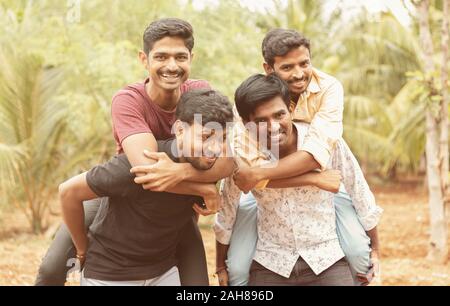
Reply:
x=297, y=240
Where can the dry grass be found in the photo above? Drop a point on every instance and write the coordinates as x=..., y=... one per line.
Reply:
x=403, y=234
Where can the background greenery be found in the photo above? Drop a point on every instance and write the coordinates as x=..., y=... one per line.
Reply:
x=58, y=75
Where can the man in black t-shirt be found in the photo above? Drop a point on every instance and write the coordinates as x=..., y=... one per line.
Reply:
x=134, y=237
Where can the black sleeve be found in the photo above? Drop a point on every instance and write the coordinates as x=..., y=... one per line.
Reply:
x=169, y=147
x=112, y=178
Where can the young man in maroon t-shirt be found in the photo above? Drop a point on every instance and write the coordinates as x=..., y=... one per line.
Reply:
x=142, y=114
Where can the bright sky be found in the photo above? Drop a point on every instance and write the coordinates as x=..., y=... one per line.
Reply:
x=372, y=6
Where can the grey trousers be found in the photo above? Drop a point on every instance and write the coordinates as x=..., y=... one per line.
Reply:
x=170, y=278
x=337, y=275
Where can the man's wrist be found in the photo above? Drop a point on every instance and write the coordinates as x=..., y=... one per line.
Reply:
x=186, y=171
x=312, y=178
x=209, y=190
x=220, y=269
x=260, y=174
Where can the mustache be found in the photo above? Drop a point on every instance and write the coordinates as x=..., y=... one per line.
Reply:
x=280, y=131
x=295, y=80
x=166, y=71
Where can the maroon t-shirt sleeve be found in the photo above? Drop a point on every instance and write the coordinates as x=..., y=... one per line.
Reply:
x=128, y=117
x=197, y=84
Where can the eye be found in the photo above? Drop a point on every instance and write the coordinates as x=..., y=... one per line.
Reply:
x=159, y=57
x=182, y=58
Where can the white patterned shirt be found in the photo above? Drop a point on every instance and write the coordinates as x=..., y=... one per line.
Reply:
x=300, y=221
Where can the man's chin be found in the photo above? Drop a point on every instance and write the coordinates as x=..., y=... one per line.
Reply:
x=204, y=165
x=296, y=90
x=170, y=86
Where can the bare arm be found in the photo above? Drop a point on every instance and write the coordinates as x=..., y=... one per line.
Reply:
x=328, y=180
x=72, y=193
x=221, y=266
x=162, y=174
x=374, y=242
x=293, y=165
x=297, y=163
x=374, y=271
x=223, y=168
x=134, y=146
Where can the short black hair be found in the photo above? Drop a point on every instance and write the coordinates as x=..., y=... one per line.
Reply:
x=259, y=89
x=210, y=104
x=168, y=27
x=279, y=42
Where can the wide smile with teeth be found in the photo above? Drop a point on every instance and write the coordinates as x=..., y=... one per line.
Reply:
x=276, y=137
x=170, y=77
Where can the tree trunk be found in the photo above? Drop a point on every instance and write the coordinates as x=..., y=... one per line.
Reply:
x=444, y=124
x=438, y=226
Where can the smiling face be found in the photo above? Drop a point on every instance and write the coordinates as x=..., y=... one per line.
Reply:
x=274, y=122
x=200, y=145
x=168, y=63
x=294, y=68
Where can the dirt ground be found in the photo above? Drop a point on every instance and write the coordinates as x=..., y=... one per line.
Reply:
x=403, y=235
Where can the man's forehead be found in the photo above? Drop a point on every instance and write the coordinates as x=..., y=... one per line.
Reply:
x=170, y=45
x=298, y=54
x=170, y=50
x=270, y=108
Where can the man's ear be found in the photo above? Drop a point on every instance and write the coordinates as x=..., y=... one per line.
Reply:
x=268, y=69
x=192, y=56
x=144, y=59
x=179, y=129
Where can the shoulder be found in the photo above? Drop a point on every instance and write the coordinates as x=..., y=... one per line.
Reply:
x=192, y=84
x=302, y=127
x=169, y=146
x=118, y=165
x=326, y=81
x=129, y=95
x=111, y=178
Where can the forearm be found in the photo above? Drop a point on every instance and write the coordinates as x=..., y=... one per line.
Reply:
x=192, y=188
x=73, y=215
x=295, y=164
x=223, y=168
x=374, y=242
x=72, y=193
x=221, y=255
x=307, y=179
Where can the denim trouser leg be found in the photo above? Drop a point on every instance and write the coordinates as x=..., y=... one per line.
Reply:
x=353, y=238
x=243, y=242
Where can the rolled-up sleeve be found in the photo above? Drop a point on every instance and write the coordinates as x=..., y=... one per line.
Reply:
x=326, y=126
x=369, y=213
x=226, y=216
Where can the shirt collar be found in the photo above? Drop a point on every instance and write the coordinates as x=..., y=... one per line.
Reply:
x=313, y=86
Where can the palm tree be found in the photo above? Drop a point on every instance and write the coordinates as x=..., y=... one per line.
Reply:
x=384, y=115
x=31, y=131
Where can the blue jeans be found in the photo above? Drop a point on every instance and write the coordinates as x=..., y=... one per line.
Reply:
x=353, y=239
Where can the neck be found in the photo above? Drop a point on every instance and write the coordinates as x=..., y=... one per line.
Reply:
x=295, y=97
x=167, y=100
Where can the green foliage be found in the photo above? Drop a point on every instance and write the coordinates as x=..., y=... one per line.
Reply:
x=58, y=77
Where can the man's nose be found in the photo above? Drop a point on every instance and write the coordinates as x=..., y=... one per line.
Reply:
x=298, y=73
x=213, y=148
x=172, y=64
x=274, y=126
